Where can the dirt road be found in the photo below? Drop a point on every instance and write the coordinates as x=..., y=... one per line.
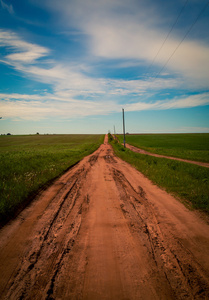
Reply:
x=138, y=150
x=104, y=231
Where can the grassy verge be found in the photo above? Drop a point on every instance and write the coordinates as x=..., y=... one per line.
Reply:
x=188, y=146
x=27, y=163
x=188, y=182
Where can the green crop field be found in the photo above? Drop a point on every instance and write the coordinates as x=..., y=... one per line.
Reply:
x=27, y=163
x=188, y=146
x=188, y=182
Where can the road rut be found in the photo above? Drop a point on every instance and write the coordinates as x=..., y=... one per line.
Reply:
x=104, y=231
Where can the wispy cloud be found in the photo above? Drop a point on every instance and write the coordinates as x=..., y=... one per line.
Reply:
x=71, y=81
x=176, y=103
x=127, y=33
x=7, y=7
x=34, y=107
x=24, y=52
x=26, y=59
x=130, y=39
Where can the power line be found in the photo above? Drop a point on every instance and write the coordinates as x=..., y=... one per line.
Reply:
x=168, y=35
x=188, y=31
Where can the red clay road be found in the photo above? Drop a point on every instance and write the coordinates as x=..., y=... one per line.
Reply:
x=104, y=231
x=138, y=150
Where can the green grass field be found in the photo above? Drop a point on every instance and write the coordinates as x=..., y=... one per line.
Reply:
x=188, y=182
x=27, y=163
x=188, y=146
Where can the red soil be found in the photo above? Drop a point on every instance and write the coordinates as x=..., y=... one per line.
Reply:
x=104, y=231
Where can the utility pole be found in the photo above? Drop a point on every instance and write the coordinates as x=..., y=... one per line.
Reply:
x=124, y=140
x=114, y=130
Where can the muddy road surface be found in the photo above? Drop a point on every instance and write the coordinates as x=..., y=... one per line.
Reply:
x=104, y=231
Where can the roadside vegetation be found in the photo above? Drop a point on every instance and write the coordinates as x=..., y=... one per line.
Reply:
x=188, y=182
x=193, y=146
x=28, y=163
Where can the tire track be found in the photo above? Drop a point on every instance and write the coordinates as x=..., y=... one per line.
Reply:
x=54, y=238
x=183, y=273
x=107, y=233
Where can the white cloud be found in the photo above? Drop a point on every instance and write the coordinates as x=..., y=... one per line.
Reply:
x=140, y=87
x=111, y=37
x=25, y=59
x=37, y=107
x=114, y=39
x=176, y=103
x=69, y=80
x=24, y=52
x=122, y=30
x=69, y=83
x=33, y=107
x=191, y=101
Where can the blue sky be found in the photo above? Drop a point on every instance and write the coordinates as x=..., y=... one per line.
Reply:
x=71, y=66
